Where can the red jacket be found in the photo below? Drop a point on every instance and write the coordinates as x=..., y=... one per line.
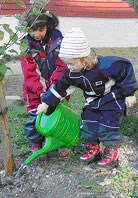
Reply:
x=41, y=69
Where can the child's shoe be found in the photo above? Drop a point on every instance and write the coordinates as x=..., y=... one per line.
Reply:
x=109, y=159
x=92, y=154
x=35, y=147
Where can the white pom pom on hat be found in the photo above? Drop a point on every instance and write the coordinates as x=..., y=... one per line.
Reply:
x=74, y=44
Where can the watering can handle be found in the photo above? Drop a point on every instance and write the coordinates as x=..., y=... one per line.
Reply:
x=39, y=117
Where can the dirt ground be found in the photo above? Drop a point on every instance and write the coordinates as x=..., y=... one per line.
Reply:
x=68, y=177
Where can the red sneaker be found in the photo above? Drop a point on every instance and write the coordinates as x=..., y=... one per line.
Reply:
x=92, y=154
x=35, y=147
x=109, y=159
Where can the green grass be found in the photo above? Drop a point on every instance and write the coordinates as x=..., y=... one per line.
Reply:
x=17, y=117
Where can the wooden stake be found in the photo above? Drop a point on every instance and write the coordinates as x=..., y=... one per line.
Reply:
x=5, y=133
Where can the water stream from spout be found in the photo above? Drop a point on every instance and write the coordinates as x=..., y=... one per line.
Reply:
x=22, y=167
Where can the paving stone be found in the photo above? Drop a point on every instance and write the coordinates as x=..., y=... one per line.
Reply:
x=12, y=100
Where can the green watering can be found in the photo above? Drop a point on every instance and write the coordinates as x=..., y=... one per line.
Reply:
x=60, y=126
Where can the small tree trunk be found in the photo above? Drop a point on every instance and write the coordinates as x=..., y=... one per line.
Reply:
x=5, y=133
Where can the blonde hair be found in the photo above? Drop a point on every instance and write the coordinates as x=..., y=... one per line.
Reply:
x=91, y=61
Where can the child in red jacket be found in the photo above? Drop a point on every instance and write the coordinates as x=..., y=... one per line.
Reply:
x=41, y=66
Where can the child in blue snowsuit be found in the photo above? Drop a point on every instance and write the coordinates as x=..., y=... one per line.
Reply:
x=108, y=85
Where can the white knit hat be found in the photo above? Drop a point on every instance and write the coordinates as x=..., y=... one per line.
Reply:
x=74, y=44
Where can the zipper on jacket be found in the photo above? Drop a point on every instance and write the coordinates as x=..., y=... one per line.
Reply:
x=113, y=94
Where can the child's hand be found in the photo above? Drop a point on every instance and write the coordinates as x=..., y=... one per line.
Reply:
x=42, y=108
x=130, y=101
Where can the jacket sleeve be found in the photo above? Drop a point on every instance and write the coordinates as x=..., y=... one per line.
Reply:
x=60, y=90
x=123, y=73
x=31, y=77
x=59, y=72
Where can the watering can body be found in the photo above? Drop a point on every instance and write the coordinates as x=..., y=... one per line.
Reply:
x=61, y=128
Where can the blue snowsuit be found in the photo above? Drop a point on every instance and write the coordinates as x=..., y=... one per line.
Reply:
x=105, y=88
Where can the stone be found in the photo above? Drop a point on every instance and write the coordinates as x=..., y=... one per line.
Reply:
x=10, y=180
x=14, y=100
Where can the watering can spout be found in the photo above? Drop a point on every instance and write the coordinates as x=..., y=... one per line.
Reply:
x=51, y=144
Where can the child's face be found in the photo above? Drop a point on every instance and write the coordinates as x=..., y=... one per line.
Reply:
x=75, y=65
x=39, y=34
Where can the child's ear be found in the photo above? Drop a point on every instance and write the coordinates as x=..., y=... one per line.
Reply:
x=86, y=59
x=79, y=61
x=83, y=61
